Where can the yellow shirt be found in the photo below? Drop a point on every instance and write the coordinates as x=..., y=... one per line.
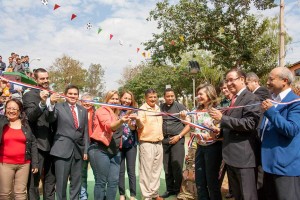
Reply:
x=152, y=130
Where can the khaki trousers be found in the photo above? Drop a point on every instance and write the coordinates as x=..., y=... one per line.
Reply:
x=150, y=167
x=13, y=181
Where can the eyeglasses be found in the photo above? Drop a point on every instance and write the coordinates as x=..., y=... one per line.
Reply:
x=12, y=109
x=231, y=80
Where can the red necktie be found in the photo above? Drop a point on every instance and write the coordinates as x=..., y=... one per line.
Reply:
x=74, y=116
x=233, y=100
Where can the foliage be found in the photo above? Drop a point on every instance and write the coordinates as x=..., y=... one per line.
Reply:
x=66, y=70
x=225, y=28
x=146, y=76
x=94, y=80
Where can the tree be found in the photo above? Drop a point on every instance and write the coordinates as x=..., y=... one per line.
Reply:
x=140, y=78
x=94, y=80
x=66, y=70
x=225, y=28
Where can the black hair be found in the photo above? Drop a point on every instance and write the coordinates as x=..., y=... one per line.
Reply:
x=38, y=70
x=151, y=90
x=71, y=87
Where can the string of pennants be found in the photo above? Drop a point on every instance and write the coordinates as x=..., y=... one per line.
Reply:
x=89, y=26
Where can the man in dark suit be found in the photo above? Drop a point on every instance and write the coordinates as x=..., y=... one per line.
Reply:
x=253, y=85
x=70, y=143
x=280, y=134
x=35, y=105
x=240, y=137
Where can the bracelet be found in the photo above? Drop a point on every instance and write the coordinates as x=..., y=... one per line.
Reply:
x=180, y=136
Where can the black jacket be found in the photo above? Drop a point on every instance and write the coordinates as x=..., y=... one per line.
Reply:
x=42, y=130
x=31, y=152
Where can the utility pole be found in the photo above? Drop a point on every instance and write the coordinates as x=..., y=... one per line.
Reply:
x=281, y=35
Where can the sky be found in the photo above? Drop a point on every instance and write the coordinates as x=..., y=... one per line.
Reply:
x=30, y=28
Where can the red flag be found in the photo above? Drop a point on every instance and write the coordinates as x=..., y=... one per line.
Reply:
x=56, y=6
x=111, y=36
x=137, y=50
x=73, y=16
x=172, y=43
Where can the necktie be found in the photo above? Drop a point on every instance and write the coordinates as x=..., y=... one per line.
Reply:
x=74, y=116
x=233, y=100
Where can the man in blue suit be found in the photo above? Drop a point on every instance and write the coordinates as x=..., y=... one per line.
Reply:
x=281, y=139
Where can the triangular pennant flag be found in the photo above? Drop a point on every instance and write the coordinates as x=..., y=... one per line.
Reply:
x=111, y=36
x=56, y=6
x=121, y=42
x=144, y=54
x=149, y=54
x=99, y=30
x=181, y=38
x=137, y=50
x=73, y=16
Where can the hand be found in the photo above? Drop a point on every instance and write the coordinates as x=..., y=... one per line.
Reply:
x=44, y=95
x=183, y=114
x=174, y=139
x=215, y=114
x=85, y=157
x=124, y=119
x=134, y=116
x=34, y=170
x=266, y=105
x=54, y=98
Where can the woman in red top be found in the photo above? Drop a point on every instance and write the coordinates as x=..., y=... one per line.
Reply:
x=17, y=151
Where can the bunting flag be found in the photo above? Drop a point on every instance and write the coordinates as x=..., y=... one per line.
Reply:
x=56, y=6
x=73, y=16
x=173, y=43
x=111, y=36
x=120, y=42
x=137, y=50
x=144, y=54
x=99, y=30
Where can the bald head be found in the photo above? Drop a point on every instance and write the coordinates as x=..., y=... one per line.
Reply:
x=280, y=79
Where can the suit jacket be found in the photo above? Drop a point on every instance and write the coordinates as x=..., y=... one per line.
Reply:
x=67, y=138
x=42, y=130
x=262, y=93
x=281, y=138
x=240, y=144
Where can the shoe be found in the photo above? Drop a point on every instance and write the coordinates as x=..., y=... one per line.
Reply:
x=167, y=194
x=229, y=196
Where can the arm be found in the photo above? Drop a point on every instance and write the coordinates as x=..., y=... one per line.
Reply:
x=247, y=122
x=287, y=126
x=34, y=154
x=31, y=107
x=86, y=137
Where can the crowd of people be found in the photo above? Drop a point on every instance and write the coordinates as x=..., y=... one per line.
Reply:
x=252, y=134
x=15, y=64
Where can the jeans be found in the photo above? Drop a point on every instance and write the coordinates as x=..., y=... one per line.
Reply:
x=207, y=165
x=106, y=168
x=128, y=155
x=83, y=192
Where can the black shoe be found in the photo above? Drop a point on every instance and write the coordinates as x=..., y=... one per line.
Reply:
x=167, y=194
x=228, y=196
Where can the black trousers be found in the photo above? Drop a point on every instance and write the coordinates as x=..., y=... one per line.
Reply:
x=173, y=158
x=128, y=155
x=46, y=173
x=207, y=165
x=68, y=169
x=243, y=182
x=281, y=187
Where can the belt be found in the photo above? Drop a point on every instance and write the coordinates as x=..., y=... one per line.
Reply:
x=152, y=142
